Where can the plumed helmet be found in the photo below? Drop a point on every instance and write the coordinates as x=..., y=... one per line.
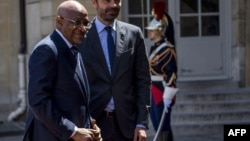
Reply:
x=154, y=25
x=160, y=21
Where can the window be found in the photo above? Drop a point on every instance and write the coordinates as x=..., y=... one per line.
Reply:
x=139, y=13
x=199, y=18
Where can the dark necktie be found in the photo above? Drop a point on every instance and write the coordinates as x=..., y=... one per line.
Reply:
x=82, y=75
x=80, y=67
x=74, y=51
x=111, y=46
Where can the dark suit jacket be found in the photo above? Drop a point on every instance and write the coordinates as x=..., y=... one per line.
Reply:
x=57, y=98
x=129, y=83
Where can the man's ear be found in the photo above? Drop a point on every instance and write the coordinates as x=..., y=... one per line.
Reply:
x=58, y=21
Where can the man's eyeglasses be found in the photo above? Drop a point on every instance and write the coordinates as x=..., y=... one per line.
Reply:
x=77, y=23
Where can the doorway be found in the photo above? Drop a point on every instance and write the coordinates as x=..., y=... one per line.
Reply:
x=202, y=30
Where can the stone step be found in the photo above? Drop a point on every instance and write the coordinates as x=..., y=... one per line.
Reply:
x=216, y=106
x=206, y=109
x=207, y=85
x=198, y=129
x=211, y=116
x=207, y=123
x=212, y=95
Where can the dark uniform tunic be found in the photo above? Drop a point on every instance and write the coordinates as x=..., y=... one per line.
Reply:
x=163, y=68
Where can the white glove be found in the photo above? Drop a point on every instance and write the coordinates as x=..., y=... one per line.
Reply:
x=168, y=95
x=167, y=103
x=169, y=92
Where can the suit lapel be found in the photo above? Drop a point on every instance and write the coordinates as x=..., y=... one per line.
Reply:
x=82, y=73
x=70, y=60
x=84, y=77
x=120, y=47
x=81, y=77
x=96, y=44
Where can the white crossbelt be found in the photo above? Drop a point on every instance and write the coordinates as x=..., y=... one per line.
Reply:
x=157, y=50
x=156, y=78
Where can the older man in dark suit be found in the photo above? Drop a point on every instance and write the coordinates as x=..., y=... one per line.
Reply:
x=118, y=71
x=58, y=88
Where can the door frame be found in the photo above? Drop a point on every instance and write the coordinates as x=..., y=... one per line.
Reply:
x=227, y=39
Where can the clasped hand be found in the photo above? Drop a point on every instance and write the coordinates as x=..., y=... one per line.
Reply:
x=84, y=134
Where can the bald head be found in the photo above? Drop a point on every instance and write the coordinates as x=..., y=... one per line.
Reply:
x=72, y=20
x=69, y=6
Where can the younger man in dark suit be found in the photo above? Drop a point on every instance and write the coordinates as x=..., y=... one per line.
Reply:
x=118, y=71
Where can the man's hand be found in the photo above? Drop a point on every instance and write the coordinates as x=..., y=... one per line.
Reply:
x=140, y=134
x=83, y=134
x=96, y=130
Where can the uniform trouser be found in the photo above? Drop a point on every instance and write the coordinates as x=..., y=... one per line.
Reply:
x=155, y=115
x=165, y=136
